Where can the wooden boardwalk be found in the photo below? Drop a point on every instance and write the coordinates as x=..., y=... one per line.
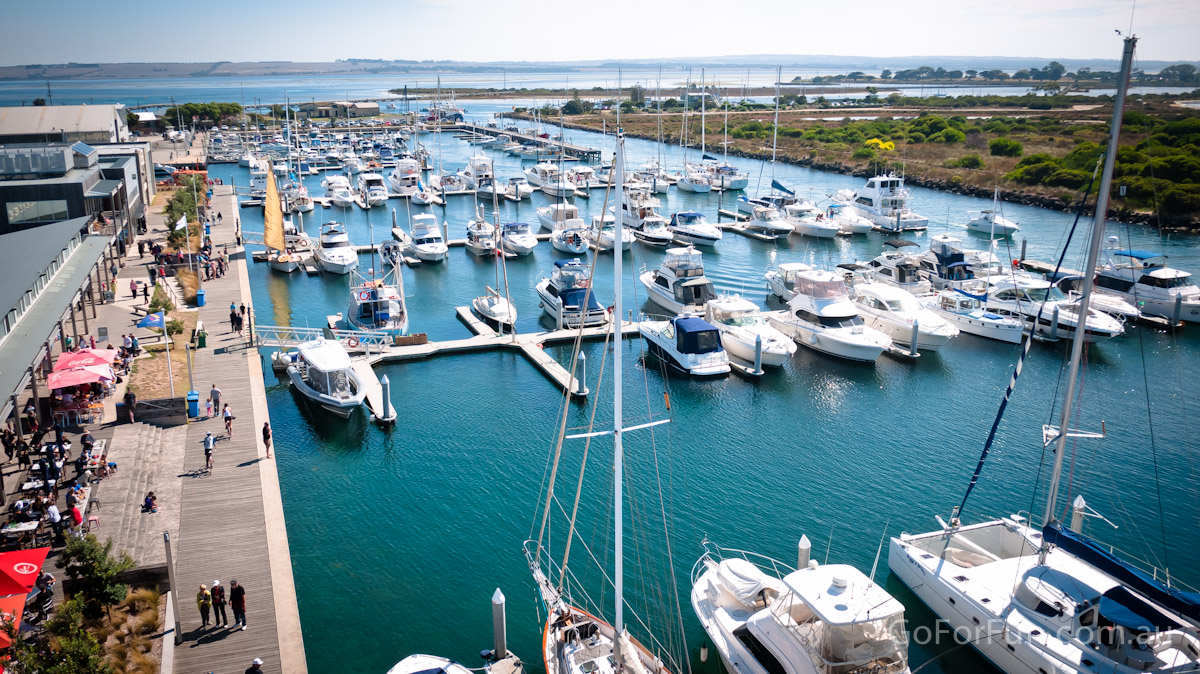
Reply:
x=232, y=520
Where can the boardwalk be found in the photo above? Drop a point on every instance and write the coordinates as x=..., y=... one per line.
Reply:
x=232, y=520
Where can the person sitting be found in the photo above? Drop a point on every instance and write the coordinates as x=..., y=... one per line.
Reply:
x=150, y=505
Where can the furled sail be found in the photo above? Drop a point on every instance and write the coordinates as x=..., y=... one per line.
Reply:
x=273, y=215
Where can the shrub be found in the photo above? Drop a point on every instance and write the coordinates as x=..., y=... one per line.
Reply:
x=1005, y=147
x=863, y=153
x=174, y=327
x=956, y=180
x=159, y=301
x=949, y=135
x=916, y=137
x=880, y=145
x=93, y=569
x=71, y=650
x=970, y=161
x=1032, y=159
x=1071, y=178
x=1035, y=174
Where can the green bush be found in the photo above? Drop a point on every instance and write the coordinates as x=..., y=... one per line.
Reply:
x=71, y=650
x=174, y=327
x=949, y=135
x=93, y=569
x=1071, y=178
x=1005, y=147
x=863, y=153
x=1035, y=174
x=970, y=161
x=1032, y=159
x=916, y=137
x=159, y=301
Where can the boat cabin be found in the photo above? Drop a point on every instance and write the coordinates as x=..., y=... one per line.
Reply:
x=693, y=335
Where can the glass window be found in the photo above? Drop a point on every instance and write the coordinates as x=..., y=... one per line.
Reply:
x=24, y=212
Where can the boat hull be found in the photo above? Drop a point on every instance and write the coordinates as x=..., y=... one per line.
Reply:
x=826, y=342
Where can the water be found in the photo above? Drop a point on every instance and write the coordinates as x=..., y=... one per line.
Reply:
x=399, y=536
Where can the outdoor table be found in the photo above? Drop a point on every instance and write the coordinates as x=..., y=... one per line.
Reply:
x=37, y=465
x=19, y=527
x=34, y=485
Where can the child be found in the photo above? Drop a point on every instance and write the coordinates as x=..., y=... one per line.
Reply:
x=208, y=407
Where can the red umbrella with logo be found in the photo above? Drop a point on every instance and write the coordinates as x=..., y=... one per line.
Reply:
x=82, y=375
x=11, y=609
x=20, y=569
x=84, y=358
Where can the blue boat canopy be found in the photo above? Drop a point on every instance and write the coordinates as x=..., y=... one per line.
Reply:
x=957, y=264
x=1121, y=607
x=899, y=243
x=572, y=300
x=1186, y=604
x=562, y=263
x=696, y=335
x=1136, y=254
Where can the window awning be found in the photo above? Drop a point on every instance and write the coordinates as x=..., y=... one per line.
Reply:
x=104, y=188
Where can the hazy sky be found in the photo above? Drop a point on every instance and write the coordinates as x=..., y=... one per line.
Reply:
x=57, y=31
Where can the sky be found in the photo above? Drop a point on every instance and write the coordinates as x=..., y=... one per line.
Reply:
x=59, y=31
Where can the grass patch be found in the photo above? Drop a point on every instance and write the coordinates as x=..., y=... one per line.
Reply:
x=189, y=280
x=148, y=378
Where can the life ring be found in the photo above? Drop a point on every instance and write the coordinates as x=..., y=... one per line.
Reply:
x=364, y=295
x=303, y=242
x=1016, y=263
x=610, y=308
x=583, y=283
x=352, y=342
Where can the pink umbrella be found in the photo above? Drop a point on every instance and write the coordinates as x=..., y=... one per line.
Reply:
x=82, y=375
x=85, y=358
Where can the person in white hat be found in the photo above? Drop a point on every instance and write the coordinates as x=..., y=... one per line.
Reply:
x=255, y=666
x=218, y=601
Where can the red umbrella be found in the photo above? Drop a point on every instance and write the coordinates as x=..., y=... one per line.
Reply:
x=83, y=375
x=20, y=569
x=11, y=608
x=84, y=358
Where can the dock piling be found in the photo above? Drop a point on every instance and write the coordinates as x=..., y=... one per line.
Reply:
x=758, y=353
x=499, y=626
x=386, y=393
x=804, y=552
x=581, y=388
x=916, y=332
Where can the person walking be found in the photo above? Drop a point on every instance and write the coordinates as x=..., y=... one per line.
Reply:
x=130, y=403
x=141, y=249
x=267, y=437
x=204, y=603
x=208, y=408
x=133, y=288
x=220, y=619
x=233, y=322
x=146, y=293
x=215, y=394
x=209, y=442
x=227, y=414
x=237, y=601
x=255, y=667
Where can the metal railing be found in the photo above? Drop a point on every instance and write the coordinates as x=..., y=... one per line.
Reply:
x=278, y=335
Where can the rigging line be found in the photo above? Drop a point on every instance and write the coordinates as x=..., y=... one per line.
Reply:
x=662, y=506
x=987, y=445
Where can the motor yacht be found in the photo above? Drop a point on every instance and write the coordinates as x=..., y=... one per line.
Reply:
x=517, y=238
x=477, y=172
x=491, y=191
x=964, y=307
x=767, y=222
x=378, y=306
x=899, y=315
x=567, y=296
x=542, y=173
x=691, y=227
x=884, y=200
x=689, y=344
x=745, y=332
x=602, y=234
x=899, y=266
x=404, y=178
x=694, y=181
x=481, y=235
x=724, y=176
x=334, y=253
x=373, y=189
x=679, y=284
x=321, y=370
x=552, y=216
x=807, y=220
x=518, y=189
x=570, y=237
x=1143, y=278
x=1111, y=304
x=990, y=222
x=782, y=279
x=337, y=188
x=425, y=240
x=496, y=309
x=822, y=317
x=848, y=220
x=1032, y=299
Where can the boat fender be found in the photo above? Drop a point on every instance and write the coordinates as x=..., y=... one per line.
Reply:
x=352, y=342
x=611, y=307
x=1016, y=263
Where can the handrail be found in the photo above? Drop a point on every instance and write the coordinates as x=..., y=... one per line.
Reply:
x=289, y=336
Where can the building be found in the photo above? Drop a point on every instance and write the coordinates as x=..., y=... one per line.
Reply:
x=48, y=183
x=339, y=109
x=64, y=124
x=143, y=174
x=45, y=274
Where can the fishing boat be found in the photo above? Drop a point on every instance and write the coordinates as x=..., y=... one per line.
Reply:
x=321, y=370
x=567, y=295
x=517, y=238
x=745, y=332
x=373, y=189
x=691, y=227
x=821, y=317
x=689, y=344
x=404, y=178
x=884, y=200
x=1143, y=278
x=425, y=240
x=603, y=233
x=1063, y=601
x=334, y=253
x=280, y=256
x=898, y=314
x=768, y=223
x=764, y=617
x=679, y=284
x=552, y=216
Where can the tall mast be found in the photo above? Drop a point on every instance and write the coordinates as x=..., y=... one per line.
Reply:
x=618, y=347
x=1093, y=253
x=702, y=108
x=658, y=96
x=775, y=124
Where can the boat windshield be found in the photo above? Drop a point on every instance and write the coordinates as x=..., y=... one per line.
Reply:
x=690, y=219
x=687, y=260
x=572, y=277
x=742, y=320
x=1050, y=293
x=1181, y=281
x=821, y=289
x=881, y=643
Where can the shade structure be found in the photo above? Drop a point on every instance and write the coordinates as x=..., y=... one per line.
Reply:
x=20, y=569
x=84, y=358
x=11, y=609
x=81, y=375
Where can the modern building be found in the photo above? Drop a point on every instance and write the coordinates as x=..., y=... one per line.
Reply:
x=48, y=183
x=339, y=109
x=64, y=124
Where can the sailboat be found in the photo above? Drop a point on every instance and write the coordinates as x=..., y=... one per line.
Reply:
x=278, y=255
x=576, y=641
x=493, y=307
x=1052, y=599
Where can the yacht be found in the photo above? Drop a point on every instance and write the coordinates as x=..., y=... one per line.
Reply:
x=767, y=222
x=603, y=233
x=582, y=176
x=1143, y=278
x=653, y=175
x=559, y=187
x=679, y=284
x=495, y=309
x=425, y=238
x=691, y=227
x=490, y=190
x=566, y=295
x=724, y=176
x=820, y=619
x=518, y=189
x=898, y=267
x=948, y=265
x=373, y=189
x=848, y=220
x=477, y=172
x=745, y=332
x=334, y=253
x=1031, y=299
x=746, y=204
x=690, y=344
x=351, y=163
x=542, y=173
x=378, y=306
x=964, y=307
x=481, y=235
x=552, y=216
x=782, y=279
x=807, y=220
x=404, y=177
x=694, y=181
x=1113, y=305
x=449, y=182
x=638, y=207
x=337, y=188
x=517, y=238
x=321, y=370
x=570, y=237
x=822, y=317
x=897, y=313
x=990, y=222
x=884, y=200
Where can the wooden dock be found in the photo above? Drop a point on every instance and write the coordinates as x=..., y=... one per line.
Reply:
x=569, y=148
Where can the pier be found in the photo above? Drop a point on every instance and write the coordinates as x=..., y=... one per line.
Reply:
x=586, y=153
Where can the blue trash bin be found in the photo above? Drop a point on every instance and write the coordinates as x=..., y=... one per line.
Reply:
x=207, y=229
x=193, y=404
x=200, y=297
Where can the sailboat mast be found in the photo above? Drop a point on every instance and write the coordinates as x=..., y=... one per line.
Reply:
x=702, y=108
x=618, y=347
x=775, y=124
x=1089, y=273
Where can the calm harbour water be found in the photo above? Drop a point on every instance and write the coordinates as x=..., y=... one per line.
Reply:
x=399, y=536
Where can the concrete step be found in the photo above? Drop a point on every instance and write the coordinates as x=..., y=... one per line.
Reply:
x=114, y=491
x=168, y=487
x=130, y=498
x=150, y=479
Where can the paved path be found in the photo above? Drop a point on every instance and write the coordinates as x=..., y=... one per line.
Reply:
x=231, y=524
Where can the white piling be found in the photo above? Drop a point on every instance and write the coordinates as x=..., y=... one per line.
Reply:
x=386, y=393
x=581, y=380
x=1078, y=510
x=498, y=626
x=758, y=353
x=805, y=551
x=393, y=218
x=1054, y=324
x=916, y=332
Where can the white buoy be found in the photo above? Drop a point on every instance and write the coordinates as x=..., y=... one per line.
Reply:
x=703, y=652
x=805, y=551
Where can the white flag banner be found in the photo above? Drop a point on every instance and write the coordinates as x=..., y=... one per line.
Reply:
x=182, y=223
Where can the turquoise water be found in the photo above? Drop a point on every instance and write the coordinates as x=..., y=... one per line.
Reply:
x=399, y=536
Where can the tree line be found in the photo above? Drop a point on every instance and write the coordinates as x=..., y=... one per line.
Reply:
x=1183, y=73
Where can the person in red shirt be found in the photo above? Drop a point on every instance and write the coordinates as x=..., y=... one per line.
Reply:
x=76, y=518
